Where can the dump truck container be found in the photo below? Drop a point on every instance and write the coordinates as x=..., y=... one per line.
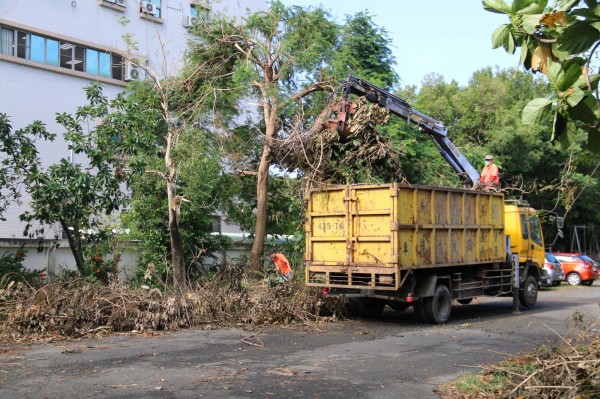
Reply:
x=372, y=236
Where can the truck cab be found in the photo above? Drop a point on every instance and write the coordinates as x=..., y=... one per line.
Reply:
x=523, y=227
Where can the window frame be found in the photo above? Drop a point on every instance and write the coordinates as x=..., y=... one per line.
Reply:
x=61, y=53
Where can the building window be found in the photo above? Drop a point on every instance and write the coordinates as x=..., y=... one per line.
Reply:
x=216, y=224
x=199, y=10
x=23, y=45
x=7, y=40
x=49, y=51
x=72, y=56
x=117, y=65
x=52, y=52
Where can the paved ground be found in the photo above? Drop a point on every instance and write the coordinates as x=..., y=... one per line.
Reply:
x=394, y=357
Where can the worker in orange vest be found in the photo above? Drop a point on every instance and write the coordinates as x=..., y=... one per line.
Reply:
x=489, y=175
x=282, y=265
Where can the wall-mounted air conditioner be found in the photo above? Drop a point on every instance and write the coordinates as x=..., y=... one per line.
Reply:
x=189, y=21
x=147, y=8
x=132, y=72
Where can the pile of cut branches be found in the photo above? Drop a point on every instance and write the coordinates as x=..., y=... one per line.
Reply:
x=570, y=370
x=325, y=157
x=79, y=307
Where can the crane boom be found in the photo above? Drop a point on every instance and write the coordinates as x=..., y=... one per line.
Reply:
x=397, y=106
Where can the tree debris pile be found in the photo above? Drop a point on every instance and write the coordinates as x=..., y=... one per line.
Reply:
x=571, y=370
x=76, y=308
x=325, y=157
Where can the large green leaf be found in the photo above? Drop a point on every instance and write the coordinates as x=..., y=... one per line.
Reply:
x=536, y=110
x=524, y=53
x=578, y=38
x=497, y=6
x=575, y=97
x=530, y=22
x=564, y=130
x=566, y=5
x=559, y=53
x=500, y=36
x=555, y=73
x=523, y=7
x=594, y=141
x=569, y=78
x=510, y=46
x=586, y=111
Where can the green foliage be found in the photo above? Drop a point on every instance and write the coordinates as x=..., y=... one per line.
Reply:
x=12, y=269
x=306, y=49
x=101, y=260
x=20, y=164
x=552, y=41
x=200, y=181
x=75, y=195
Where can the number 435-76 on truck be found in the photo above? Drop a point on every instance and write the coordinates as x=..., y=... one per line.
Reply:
x=421, y=246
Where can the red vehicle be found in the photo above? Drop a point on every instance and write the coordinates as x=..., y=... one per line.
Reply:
x=578, y=268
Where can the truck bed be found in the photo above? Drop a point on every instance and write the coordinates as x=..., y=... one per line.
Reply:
x=373, y=236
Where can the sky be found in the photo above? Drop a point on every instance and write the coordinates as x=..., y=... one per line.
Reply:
x=448, y=37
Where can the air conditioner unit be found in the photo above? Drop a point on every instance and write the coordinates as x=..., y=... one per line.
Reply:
x=189, y=21
x=132, y=72
x=147, y=8
x=122, y=3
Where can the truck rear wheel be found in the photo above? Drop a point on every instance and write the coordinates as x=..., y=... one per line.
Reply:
x=439, y=306
x=370, y=308
x=528, y=295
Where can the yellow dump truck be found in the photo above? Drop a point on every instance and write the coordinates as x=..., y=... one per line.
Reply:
x=421, y=246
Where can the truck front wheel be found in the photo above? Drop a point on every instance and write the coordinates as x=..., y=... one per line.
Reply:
x=438, y=307
x=528, y=295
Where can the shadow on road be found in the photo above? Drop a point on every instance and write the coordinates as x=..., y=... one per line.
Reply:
x=490, y=308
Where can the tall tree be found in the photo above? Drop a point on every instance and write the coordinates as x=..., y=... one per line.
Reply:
x=282, y=57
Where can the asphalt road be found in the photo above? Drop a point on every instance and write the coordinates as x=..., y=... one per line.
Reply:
x=394, y=357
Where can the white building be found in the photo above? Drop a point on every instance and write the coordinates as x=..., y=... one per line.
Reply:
x=51, y=49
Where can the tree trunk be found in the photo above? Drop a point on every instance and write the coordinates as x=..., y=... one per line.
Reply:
x=261, y=208
x=74, y=239
x=270, y=116
x=177, y=259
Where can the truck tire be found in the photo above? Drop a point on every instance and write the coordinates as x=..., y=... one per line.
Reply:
x=573, y=278
x=370, y=308
x=439, y=306
x=528, y=295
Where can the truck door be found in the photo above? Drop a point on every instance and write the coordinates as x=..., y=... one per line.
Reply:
x=533, y=243
x=536, y=243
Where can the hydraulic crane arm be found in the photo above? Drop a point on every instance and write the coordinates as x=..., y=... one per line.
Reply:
x=397, y=106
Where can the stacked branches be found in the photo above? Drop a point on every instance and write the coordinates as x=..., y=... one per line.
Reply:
x=76, y=308
x=570, y=370
x=323, y=157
